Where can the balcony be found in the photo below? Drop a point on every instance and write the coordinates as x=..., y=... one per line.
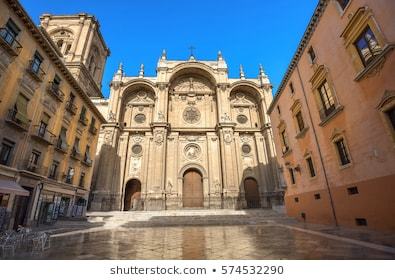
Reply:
x=61, y=146
x=9, y=43
x=87, y=161
x=93, y=130
x=327, y=114
x=75, y=154
x=18, y=120
x=43, y=135
x=83, y=120
x=71, y=108
x=55, y=91
x=33, y=167
x=35, y=71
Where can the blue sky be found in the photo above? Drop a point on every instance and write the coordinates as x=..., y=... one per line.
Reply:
x=247, y=32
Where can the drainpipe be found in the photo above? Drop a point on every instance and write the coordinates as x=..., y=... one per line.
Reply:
x=318, y=147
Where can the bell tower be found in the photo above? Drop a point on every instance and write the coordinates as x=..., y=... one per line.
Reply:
x=79, y=41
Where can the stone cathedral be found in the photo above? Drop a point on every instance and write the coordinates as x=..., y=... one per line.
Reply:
x=190, y=137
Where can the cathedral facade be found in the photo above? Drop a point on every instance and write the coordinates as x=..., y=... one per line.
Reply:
x=190, y=137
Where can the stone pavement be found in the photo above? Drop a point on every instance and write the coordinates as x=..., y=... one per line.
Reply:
x=209, y=234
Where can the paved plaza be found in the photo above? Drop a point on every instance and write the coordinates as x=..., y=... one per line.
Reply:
x=209, y=235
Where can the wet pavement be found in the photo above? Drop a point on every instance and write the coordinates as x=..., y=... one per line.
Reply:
x=275, y=238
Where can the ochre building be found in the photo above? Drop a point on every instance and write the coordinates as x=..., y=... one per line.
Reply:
x=189, y=137
x=333, y=117
x=48, y=123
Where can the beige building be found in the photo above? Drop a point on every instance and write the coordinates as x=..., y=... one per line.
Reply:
x=190, y=137
x=333, y=117
x=48, y=123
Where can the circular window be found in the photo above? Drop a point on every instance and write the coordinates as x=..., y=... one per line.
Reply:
x=246, y=149
x=242, y=119
x=137, y=149
x=139, y=118
x=191, y=115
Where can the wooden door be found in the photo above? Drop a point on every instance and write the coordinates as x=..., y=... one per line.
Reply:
x=192, y=190
x=252, y=193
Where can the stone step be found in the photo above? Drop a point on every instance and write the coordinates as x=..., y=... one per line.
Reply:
x=184, y=217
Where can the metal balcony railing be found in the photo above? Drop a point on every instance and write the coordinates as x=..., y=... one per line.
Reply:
x=44, y=135
x=8, y=41
x=35, y=70
x=75, y=154
x=61, y=146
x=17, y=119
x=71, y=108
x=55, y=91
x=326, y=112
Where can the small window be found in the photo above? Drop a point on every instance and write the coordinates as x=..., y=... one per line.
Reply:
x=10, y=32
x=292, y=176
x=76, y=147
x=391, y=116
x=299, y=120
x=352, y=190
x=6, y=151
x=83, y=113
x=312, y=55
x=296, y=199
x=278, y=110
x=82, y=180
x=311, y=166
x=361, y=222
x=72, y=98
x=33, y=160
x=343, y=3
x=291, y=87
x=327, y=98
x=87, y=157
x=317, y=196
x=4, y=198
x=367, y=46
x=70, y=175
x=36, y=63
x=62, y=140
x=284, y=141
x=53, y=171
x=56, y=81
x=342, y=151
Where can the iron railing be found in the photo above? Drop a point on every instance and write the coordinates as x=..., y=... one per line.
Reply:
x=35, y=70
x=18, y=119
x=55, y=91
x=44, y=135
x=71, y=108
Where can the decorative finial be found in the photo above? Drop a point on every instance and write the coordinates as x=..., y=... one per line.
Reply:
x=141, y=73
x=219, y=56
x=164, y=55
x=242, y=76
x=261, y=70
x=120, y=68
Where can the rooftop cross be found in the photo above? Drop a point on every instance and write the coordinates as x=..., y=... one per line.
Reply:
x=192, y=48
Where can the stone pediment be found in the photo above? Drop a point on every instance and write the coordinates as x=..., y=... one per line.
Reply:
x=141, y=98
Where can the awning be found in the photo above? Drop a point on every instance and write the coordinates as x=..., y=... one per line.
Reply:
x=10, y=187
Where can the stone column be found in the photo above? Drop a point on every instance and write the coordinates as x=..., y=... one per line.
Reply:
x=229, y=165
x=155, y=199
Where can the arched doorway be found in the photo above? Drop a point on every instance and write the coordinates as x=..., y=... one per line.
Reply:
x=252, y=193
x=192, y=189
x=132, y=200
